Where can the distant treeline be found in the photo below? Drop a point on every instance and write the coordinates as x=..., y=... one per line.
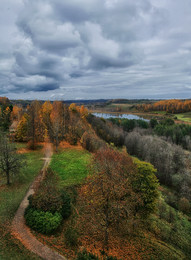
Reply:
x=171, y=106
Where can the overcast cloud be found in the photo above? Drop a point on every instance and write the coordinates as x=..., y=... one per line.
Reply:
x=89, y=49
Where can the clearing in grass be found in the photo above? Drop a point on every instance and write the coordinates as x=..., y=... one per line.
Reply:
x=71, y=165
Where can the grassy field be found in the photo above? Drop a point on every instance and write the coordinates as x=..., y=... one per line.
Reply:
x=10, y=198
x=186, y=117
x=71, y=165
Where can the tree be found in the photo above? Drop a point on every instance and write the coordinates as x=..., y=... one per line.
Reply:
x=21, y=134
x=109, y=198
x=5, y=117
x=35, y=126
x=146, y=184
x=16, y=113
x=45, y=112
x=10, y=161
x=57, y=119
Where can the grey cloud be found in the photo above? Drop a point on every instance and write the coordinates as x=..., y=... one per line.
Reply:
x=95, y=48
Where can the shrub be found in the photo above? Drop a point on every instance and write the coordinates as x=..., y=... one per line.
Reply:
x=66, y=207
x=47, y=200
x=47, y=197
x=71, y=236
x=153, y=122
x=84, y=255
x=43, y=222
x=184, y=205
x=91, y=142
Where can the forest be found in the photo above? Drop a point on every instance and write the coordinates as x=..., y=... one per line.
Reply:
x=173, y=106
x=114, y=189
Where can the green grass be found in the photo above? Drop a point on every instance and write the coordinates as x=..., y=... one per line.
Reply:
x=184, y=117
x=10, y=198
x=174, y=229
x=71, y=165
x=21, y=145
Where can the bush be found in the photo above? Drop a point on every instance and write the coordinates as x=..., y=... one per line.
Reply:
x=91, y=142
x=153, y=122
x=43, y=222
x=84, y=255
x=66, y=207
x=47, y=201
x=71, y=236
x=184, y=205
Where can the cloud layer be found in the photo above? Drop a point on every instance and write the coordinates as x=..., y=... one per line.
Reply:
x=88, y=49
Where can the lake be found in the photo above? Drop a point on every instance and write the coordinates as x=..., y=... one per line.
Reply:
x=116, y=115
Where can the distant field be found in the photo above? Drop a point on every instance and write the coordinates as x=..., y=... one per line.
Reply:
x=71, y=165
x=184, y=117
x=10, y=198
x=123, y=107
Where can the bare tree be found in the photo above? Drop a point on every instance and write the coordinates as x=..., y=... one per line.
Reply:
x=10, y=161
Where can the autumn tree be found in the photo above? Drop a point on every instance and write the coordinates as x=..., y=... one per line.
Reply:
x=21, y=134
x=83, y=112
x=75, y=128
x=10, y=161
x=57, y=119
x=46, y=112
x=35, y=126
x=16, y=113
x=109, y=198
x=171, y=106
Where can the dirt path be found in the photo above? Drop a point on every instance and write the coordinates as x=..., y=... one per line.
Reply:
x=21, y=231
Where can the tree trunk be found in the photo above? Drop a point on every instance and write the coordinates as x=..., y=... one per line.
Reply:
x=8, y=178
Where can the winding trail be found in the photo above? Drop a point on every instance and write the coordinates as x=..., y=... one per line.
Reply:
x=21, y=231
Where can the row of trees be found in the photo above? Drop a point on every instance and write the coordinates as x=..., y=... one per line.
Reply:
x=171, y=106
x=54, y=120
x=179, y=134
x=129, y=124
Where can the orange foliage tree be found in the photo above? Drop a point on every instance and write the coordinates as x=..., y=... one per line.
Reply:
x=109, y=200
x=171, y=106
x=57, y=122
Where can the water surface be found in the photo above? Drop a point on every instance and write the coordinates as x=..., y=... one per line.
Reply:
x=117, y=115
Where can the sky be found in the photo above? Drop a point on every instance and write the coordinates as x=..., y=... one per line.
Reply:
x=95, y=49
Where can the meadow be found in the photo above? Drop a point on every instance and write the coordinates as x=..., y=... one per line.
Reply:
x=10, y=198
x=186, y=117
